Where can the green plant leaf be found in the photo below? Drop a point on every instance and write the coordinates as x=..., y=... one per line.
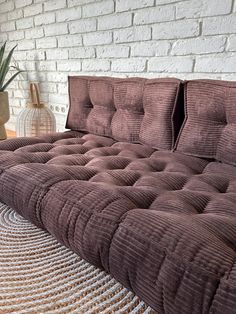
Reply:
x=15, y=67
x=3, y=72
x=2, y=50
x=9, y=81
x=5, y=67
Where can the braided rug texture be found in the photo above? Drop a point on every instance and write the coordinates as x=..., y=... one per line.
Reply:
x=38, y=275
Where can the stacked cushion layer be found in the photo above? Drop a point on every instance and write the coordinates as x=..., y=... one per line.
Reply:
x=162, y=223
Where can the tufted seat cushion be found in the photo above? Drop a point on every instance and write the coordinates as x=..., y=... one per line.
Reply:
x=162, y=223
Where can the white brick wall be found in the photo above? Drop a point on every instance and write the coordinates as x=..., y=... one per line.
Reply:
x=150, y=38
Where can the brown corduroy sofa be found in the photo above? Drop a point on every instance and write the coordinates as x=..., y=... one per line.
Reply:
x=143, y=185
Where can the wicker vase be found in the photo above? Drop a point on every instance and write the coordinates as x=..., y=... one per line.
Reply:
x=36, y=119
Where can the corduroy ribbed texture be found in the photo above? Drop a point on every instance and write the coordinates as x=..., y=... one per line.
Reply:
x=209, y=129
x=162, y=223
x=132, y=109
x=40, y=276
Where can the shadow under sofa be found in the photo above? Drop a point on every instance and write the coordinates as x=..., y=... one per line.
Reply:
x=143, y=186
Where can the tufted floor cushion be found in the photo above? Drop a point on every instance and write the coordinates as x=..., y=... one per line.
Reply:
x=162, y=223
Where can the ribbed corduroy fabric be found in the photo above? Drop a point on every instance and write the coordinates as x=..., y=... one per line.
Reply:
x=132, y=109
x=209, y=129
x=40, y=276
x=162, y=223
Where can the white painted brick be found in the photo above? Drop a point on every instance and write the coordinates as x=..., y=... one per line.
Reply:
x=8, y=26
x=46, y=87
x=82, y=26
x=114, y=21
x=55, y=29
x=68, y=14
x=3, y=37
x=219, y=25
x=19, y=55
x=27, y=65
x=171, y=64
x=14, y=84
x=63, y=88
x=57, y=77
x=10, y=92
x=150, y=49
x=43, y=19
x=232, y=43
x=81, y=53
x=57, y=54
x=128, y=65
x=199, y=45
x=199, y=8
x=122, y=5
x=73, y=3
x=37, y=76
x=158, y=2
x=24, y=23
x=97, y=38
x=222, y=76
x=100, y=8
x=49, y=42
x=23, y=85
x=176, y=29
x=33, y=9
x=69, y=66
x=46, y=66
x=34, y=33
x=58, y=99
x=95, y=65
x=53, y=5
x=69, y=40
x=16, y=110
x=34, y=55
x=18, y=35
x=223, y=63
x=22, y=3
x=14, y=15
x=44, y=97
x=6, y=7
x=26, y=44
x=154, y=15
x=3, y=18
x=10, y=45
x=135, y=33
x=113, y=52
x=116, y=47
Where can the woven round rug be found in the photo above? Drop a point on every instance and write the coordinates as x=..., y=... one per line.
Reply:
x=39, y=275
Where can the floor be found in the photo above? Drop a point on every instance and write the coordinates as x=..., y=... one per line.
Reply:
x=38, y=275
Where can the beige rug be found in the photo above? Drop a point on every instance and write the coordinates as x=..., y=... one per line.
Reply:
x=38, y=275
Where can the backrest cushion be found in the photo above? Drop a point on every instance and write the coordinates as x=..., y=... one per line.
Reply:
x=132, y=109
x=209, y=129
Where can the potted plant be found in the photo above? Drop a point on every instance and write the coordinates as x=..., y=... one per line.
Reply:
x=4, y=103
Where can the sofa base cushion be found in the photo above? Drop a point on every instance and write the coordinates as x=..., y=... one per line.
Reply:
x=161, y=223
